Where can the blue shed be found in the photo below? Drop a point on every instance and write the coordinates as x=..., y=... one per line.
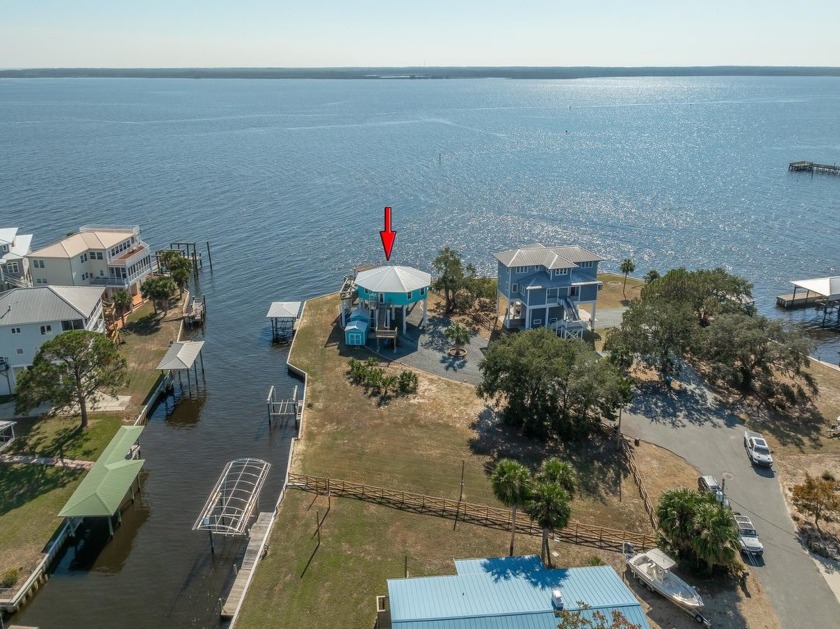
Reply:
x=355, y=333
x=508, y=593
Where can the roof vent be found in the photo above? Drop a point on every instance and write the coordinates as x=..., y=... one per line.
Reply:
x=557, y=599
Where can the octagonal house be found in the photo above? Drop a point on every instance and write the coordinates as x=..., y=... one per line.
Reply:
x=387, y=292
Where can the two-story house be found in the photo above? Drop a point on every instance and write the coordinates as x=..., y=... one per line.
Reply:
x=30, y=316
x=544, y=287
x=113, y=257
x=14, y=267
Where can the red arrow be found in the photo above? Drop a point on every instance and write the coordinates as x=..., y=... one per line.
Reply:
x=387, y=235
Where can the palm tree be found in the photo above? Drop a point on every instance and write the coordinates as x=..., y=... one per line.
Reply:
x=675, y=514
x=549, y=507
x=716, y=535
x=553, y=470
x=627, y=267
x=458, y=334
x=512, y=487
x=159, y=290
x=122, y=302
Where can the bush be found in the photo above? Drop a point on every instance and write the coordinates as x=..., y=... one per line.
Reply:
x=827, y=475
x=408, y=383
x=594, y=560
x=9, y=578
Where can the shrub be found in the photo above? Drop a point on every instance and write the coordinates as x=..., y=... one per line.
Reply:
x=594, y=560
x=827, y=475
x=9, y=577
x=408, y=383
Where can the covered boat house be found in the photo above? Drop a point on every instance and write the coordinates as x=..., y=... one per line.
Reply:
x=284, y=316
x=109, y=481
x=181, y=358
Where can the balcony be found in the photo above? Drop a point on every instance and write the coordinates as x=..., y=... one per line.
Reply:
x=126, y=259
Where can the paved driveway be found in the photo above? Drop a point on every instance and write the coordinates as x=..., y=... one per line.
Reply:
x=691, y=424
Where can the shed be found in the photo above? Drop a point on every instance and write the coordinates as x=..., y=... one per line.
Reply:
x=355, y=333
x=112, y=476
x=385, y=288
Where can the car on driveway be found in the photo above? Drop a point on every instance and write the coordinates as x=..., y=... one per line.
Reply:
x=710, y=484
x=748, y=537
x=757, y=449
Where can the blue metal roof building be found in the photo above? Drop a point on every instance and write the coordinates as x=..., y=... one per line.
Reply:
x=507, y=593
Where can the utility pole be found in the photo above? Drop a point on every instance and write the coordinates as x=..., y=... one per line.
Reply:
x=461, y=495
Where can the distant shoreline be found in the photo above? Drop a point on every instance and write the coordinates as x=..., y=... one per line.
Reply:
x=417, y=72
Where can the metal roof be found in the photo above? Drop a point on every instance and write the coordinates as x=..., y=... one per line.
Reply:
x=393, y=279
x=826, y=286
x=549, y=257
x=19, y=248
x=78, y=243
x=106, y=484
x=7, y=235
x=6, y=424
x=284, y=310
x=48, y=303
x=181, y=355
x=233, y=497
x=506, y=593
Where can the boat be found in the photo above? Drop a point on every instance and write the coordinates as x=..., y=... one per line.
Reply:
x=653, y=570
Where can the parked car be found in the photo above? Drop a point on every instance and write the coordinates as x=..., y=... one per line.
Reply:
x=710, y=484
x=757, y=449
x=748, y=537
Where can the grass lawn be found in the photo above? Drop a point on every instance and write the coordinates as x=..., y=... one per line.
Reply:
x=52, y=436
x=144, y=341
x=414, y=444
x=30, y=498
x=613, y=294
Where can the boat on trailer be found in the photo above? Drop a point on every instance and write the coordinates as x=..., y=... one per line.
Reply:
x=653, y=570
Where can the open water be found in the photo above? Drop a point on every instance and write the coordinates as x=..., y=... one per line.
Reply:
x=287, y=181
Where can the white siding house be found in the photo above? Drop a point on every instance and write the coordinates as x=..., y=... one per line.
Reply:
x=30, y=316
x=14, y=267
x=112, y=257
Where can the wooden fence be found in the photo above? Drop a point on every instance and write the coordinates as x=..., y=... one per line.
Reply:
x=482, y=515
x=627, y=451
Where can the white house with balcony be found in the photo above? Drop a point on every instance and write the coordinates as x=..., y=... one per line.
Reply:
x=113, y=257
x=14, y=267
x=544, y=287
x=30, y=316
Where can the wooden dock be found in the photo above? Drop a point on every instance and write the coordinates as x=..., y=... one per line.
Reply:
x=811, y=167
x=256, y=544
x=799, y=300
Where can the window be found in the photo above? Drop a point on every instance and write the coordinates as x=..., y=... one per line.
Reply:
x=72, y=324
x=98, y=255
x=381, y=298
x=83, y=258
x=560, y=272
x=38, y=264
x=15, y=330
x=514, y=289
x=12, y=267
x=101, y=272
x=521, y=269
x=536, y=322
x=19, y=351
x=586, y=265
x=46, y=329
x=422, y=292
x=573, y=291
x=551, y=293
x=408, y=295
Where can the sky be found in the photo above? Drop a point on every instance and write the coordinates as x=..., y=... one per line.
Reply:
x=366, y=33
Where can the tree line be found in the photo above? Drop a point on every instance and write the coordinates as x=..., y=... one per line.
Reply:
x=708, y=316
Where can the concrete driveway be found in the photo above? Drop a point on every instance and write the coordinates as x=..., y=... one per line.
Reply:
x=693, y=425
